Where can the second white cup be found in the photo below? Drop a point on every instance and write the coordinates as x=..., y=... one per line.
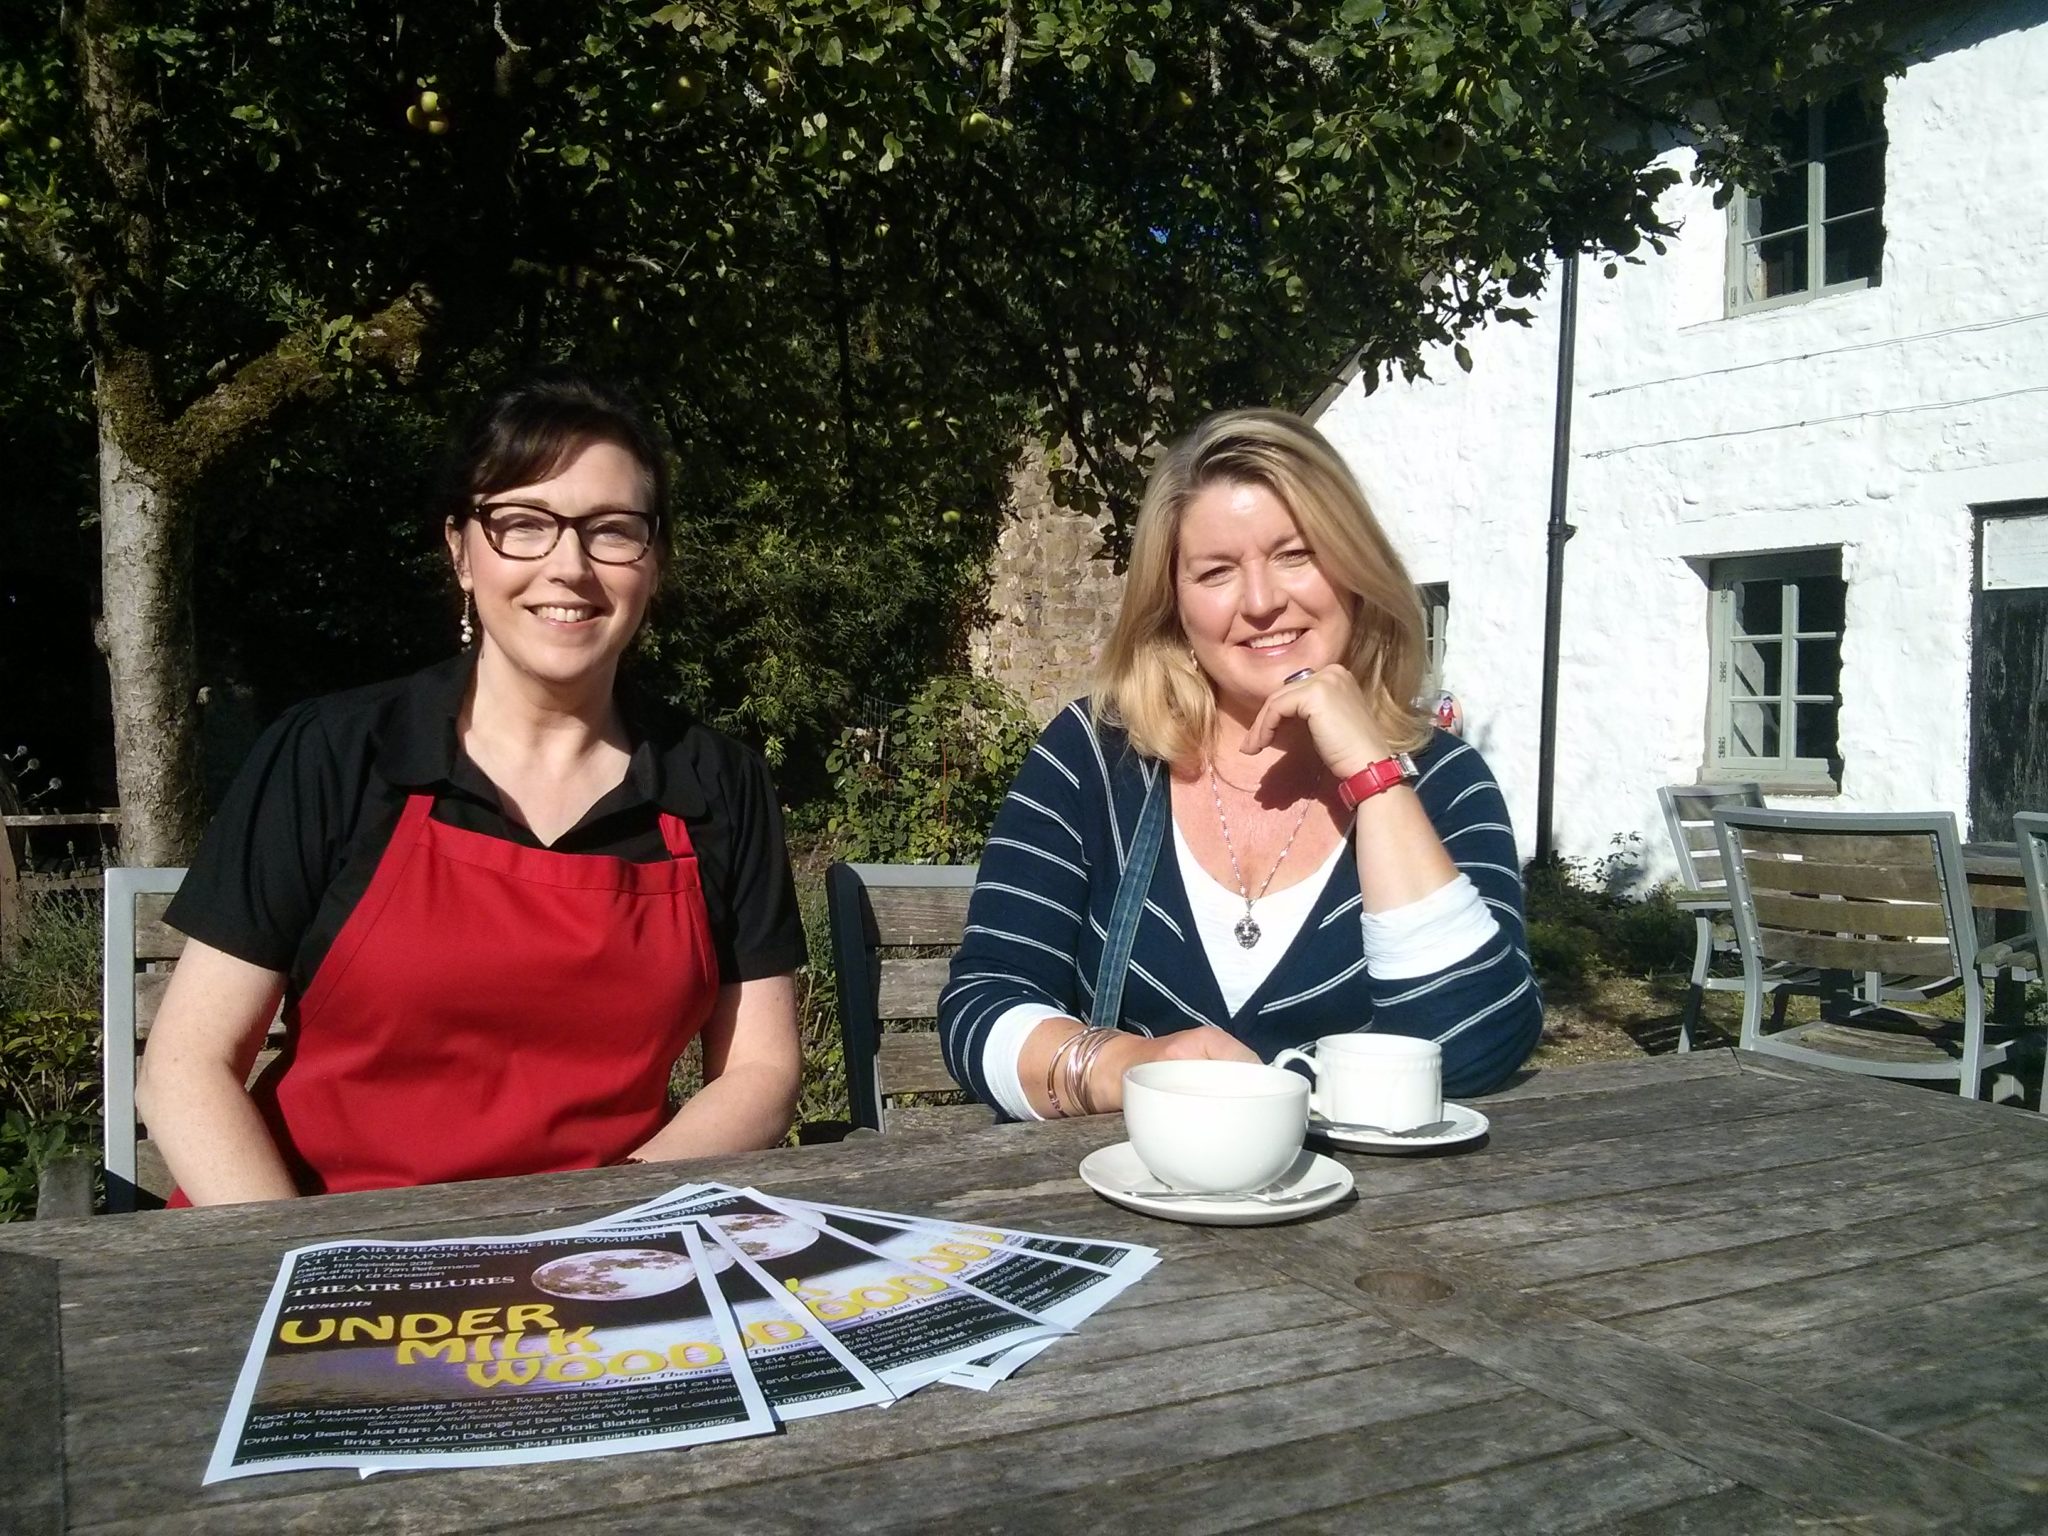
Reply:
x=1390, y=1082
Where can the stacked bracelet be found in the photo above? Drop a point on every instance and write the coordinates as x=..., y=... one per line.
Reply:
x=1071, y=1060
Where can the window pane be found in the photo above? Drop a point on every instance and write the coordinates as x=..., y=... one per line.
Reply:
x=1755, y=729
x=1814, y=726
x=1789, y=132
x=1852, y=247
x=1820, y=603
x=1779, y=206
x=1850, y=119
x=1757, y=670
x=1759, y=607
x=1820, y=670
x=1855, y=181
x=1777, y=266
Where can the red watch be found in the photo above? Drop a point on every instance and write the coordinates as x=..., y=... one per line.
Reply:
x=1375, y=777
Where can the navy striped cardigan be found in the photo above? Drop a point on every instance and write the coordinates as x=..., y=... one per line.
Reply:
x=1049, y=876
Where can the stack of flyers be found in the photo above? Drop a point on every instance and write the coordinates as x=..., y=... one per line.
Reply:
x=708, y=1313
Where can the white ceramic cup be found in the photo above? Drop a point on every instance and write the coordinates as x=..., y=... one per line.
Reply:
x=1215, y=1127
x=1393, y=1082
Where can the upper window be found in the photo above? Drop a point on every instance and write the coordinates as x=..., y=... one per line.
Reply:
x=1777, y=656
x=1818, y=227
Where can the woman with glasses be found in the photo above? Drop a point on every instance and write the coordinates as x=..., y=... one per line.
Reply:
x=497, y=898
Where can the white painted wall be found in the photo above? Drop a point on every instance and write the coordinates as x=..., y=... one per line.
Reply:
x=1872, y=420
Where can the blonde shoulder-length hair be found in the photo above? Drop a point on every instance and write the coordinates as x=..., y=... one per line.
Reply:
x=1148, y=681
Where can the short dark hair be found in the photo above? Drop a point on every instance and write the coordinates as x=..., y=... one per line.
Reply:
x=529, y=429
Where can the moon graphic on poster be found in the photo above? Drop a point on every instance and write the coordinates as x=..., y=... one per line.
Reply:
x=765, y=1235
x=614, y=1274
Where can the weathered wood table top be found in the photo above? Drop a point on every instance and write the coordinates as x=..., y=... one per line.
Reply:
x=1690, y=1294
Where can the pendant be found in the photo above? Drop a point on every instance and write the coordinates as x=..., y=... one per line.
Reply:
x=1247, y=931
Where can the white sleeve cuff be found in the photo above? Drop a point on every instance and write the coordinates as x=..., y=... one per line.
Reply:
x=1000, y=1052
x=1426, y=936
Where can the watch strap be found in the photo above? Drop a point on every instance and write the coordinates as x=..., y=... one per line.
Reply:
x=1375, y=778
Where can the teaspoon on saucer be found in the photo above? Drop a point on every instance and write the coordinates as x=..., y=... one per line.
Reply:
x=1284, y=1197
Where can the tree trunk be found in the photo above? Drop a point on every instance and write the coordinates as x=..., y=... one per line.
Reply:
x=147, y=634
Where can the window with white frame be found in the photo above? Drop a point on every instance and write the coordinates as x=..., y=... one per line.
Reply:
x=1436, y=614
x=1777, y=659
x=1819, y=226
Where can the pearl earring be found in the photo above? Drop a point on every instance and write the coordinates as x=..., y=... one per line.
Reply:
x=468, y=622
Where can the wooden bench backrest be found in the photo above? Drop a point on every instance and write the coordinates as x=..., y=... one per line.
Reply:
x=1689, y=817
x=2030, y=831
x=1850, y=892
x=138, y=952
x=886, y=920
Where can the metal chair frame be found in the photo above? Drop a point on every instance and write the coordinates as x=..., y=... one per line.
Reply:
x=2021, y=957
x=1976, y=1055
x=1706, y=900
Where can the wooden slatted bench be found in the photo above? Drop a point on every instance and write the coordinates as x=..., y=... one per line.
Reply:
x=886, y=921
x=139, y=952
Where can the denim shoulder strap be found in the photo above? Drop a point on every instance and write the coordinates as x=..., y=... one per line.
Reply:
x=1130, y=901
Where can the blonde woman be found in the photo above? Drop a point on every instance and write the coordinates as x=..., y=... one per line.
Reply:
x=1334, y=863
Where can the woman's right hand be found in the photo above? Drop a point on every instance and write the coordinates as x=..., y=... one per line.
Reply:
x=1205, y=1042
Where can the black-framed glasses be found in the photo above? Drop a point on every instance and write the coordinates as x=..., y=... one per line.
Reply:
x=520, y=532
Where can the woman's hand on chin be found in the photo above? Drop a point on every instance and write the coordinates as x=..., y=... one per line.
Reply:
x=1203, y=1043
x=1340, y=723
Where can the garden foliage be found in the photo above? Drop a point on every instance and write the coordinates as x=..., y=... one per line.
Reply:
x=857, y=249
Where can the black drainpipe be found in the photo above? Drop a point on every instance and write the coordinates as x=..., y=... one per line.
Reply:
x=1559, y=531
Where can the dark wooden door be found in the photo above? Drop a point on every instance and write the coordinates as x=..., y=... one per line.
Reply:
x=2009, y=669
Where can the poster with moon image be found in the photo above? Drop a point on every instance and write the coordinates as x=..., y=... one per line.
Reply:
x=486, y=1351
x=904, y=1322
x=802, y=1367
x=1038, y=1278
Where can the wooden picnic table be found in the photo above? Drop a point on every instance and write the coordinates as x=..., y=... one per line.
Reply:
x=1703, y=1293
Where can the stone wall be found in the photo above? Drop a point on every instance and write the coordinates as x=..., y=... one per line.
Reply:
x=1053, y=594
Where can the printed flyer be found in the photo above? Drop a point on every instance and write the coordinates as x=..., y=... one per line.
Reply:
x=1018, y=1267
x=485, y=1351
x=900, y=1320
x=707, y=1313
x=802, y=1367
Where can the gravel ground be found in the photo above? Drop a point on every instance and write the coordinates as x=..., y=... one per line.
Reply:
x=1615, y=1018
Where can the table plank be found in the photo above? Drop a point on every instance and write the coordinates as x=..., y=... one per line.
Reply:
x=32, y=1462
x=154, y=1491
x=1574, y=1492
x=1715, y=1189
x=1816, y=1461
x=1319, y=1473
x=977, y=1485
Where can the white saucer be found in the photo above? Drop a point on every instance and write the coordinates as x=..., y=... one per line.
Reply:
x=1110, y=1171
x=1467, y=1124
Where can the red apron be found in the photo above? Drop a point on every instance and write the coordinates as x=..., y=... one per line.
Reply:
x=492, y=1009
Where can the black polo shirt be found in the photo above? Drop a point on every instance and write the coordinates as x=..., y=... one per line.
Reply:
x=311, y=812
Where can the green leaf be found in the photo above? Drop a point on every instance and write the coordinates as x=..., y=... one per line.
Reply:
x=1141, y=68
x=1463, y=356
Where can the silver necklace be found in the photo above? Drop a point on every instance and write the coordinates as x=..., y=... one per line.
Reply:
x=1247, y=930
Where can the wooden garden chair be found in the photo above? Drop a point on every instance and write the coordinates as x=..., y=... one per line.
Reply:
x=1876, y=904
x=887, y=920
